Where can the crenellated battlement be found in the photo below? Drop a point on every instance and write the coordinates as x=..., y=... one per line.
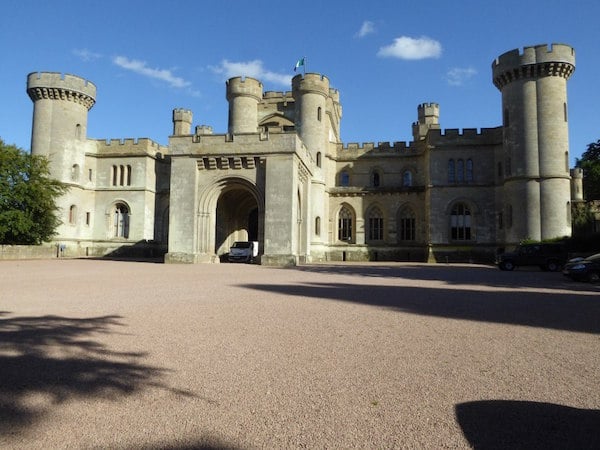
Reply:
x=531, y=62
x=285, y=96
x=184, y=115
x=354, y=149
x=311, y=82
x=59, y=86
x=244, y=86
x=130, y=146
x=465, y=136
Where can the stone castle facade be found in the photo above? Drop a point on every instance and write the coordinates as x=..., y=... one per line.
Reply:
x=282, y=175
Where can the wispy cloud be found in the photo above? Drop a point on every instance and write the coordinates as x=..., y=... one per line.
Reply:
x=141, y=68
x=86, y=55
x=406, y=47
x=457, y=76
x=367, y=27
x=253, y=69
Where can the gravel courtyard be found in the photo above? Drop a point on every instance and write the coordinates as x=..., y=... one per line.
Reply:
x=132, y=355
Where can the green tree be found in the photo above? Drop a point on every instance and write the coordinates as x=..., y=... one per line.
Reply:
x=28, y=211
x=590, y=163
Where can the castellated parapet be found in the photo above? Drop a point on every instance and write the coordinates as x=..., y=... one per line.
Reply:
x=536, y=61
x=311, y=82
x=130, y=147
x=58, y=86
x=465, y=137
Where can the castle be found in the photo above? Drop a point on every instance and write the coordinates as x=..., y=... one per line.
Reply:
x=282, y=176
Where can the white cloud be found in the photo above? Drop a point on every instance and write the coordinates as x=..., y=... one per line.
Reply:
x=367, y=27
x=406, y=47
x=457, y=75
x=141, y=68
x=86, y=55
x=253, y=69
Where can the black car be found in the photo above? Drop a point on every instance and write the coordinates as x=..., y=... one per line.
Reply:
x=548, y=256
x=584, y=269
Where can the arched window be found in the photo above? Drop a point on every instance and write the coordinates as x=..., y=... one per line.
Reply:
x=78, y=131
x=460, y=222
x=375, y=232
x=114, y=175
x=406, y=224
x=460, y=171
x=407, y=178
x=121, y=221
x=318, y=159
x=75, y=172
x=469, y=172
x=451, y=171
x=345, y=225
x=128, y=175
x=121, y=175
x=73, y=215
x=317, y=226
x=319, y=113
x=375, y=179
x=344, y=178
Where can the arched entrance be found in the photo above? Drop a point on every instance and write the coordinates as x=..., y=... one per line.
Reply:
x=237, y=217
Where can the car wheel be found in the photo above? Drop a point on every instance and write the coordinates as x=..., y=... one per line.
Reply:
x=508, y=265
x=552, y=266
x=594, y=277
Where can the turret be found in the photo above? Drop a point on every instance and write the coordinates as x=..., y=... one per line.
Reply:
x=243, y=95
x=577, y=185
x=428, y=118
x=182, y=122
x=533, y=84
x=60, y=110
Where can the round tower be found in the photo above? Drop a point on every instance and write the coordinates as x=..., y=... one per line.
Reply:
x=60, y=110
x=533, y=84
x=243, y=95
x=310, y=92
x=182, y=122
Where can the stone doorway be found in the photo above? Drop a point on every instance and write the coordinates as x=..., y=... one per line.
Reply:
x=237, y=218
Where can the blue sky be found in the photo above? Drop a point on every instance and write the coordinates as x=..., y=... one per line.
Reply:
x=385, y=57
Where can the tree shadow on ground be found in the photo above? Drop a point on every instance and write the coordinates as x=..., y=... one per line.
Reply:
x=502, y=424
x=554, y=310
x=48, y=360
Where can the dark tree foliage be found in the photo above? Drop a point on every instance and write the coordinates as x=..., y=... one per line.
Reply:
x=28, y=211
x=590, y=163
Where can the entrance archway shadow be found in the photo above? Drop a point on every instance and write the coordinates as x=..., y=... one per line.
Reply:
x=503, y=424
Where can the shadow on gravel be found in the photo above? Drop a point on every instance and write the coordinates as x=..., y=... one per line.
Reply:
x=48, y=360
x=572, y=312
x=502, y=424
x=456, y=274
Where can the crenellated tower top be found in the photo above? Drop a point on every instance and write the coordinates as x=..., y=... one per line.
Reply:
x=244, y=86
x=313, y=83
x=57, y=86
x=533, y=62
